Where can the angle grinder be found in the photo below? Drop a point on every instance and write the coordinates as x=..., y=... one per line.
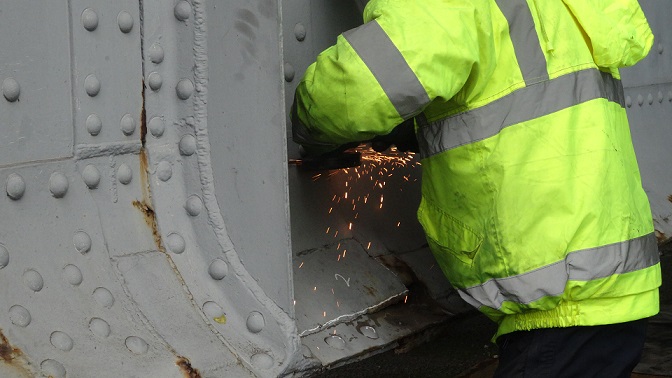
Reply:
x=328, y=162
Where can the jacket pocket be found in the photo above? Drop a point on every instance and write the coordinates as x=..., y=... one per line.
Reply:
x=448, y=235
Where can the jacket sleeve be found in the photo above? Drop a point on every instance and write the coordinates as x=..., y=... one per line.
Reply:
x=407, y=54
x=618, y=31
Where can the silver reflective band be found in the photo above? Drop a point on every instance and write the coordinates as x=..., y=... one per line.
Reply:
x=389, y=67
x=529, y=54
x=550, y=281
x=522, y=105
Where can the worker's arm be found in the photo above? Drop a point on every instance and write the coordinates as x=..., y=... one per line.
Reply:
x=407, y=54
x=613, y=44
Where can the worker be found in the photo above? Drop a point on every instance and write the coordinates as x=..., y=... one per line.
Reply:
x=532, y=201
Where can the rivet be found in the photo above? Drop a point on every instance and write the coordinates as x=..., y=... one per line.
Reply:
x=213, y=311
x=628, y=101
x=155, y=81
x=649, y=98
x=182, y=10
x=19, y=316
x=300, y=32
x=194, y=205
x=156, y=126
x=255, y=322
x=89, y=19
x=218, y=269
x=184, y=89
x=72, y=275
x=289, y=72
x=176, y=243
x=4, y=256
x=660, y=97
x=103, y=297
x=164, y=171
x=11, y=89
x=136, y=345
x=335, y=342
x=127, y=124
x=33, y=280
x=99, y=327
x=262, y=361
x=124, y=174
x=58, y=185
x=92, y=85
x=15, y=187
x=156, y=53
x=187, y=145
x=369, y=332
x=61, y=340
x=125, y=21
x=82, y=242
x=640, y=100
x=53, y=368
x=669, y=96
x=660, y=48
x=94, y=124
x=91, y=176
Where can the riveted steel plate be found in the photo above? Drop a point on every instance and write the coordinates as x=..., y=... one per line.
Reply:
x=648, y=90
x=35, y=80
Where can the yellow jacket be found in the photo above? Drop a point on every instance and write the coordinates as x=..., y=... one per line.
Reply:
x=531, y=196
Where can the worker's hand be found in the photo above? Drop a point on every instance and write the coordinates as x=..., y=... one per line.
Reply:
x=402, y=136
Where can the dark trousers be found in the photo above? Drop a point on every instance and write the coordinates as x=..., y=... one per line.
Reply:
x=608, y=351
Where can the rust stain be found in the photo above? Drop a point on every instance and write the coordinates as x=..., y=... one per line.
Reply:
x=7, y=352
x=12, y=357
x=143, y=171
x=145, y=206
x=372, y=291
x=150, y=219
x=143, y=117
x=186, y=368
x=661, y=237
x=400, y=268
x=664, y=243
x=669, y=198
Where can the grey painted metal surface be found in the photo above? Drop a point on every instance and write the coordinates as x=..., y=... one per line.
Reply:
x=39, y=126
x=648, y=89
x=117, y=259
x=150, y=225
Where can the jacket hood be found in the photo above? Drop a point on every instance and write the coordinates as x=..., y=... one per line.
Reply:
x=618, y=31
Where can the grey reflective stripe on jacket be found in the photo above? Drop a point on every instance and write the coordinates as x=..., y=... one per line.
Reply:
x=522, y=105
x=389, y=67
x=540, y=97
x=551, y=280
x=525, y=40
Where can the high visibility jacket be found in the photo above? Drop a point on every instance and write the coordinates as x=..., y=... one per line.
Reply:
x=532, y=201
